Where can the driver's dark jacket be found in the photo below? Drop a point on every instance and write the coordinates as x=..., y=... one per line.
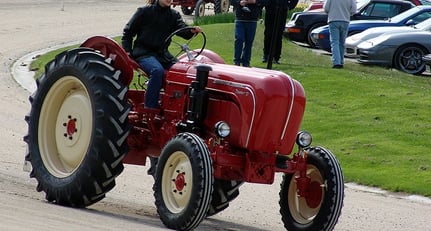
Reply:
x=152, y=25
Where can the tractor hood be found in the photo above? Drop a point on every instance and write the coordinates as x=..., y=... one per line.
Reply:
x=264, y=108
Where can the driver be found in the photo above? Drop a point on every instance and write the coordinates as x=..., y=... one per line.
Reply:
x=152, y=24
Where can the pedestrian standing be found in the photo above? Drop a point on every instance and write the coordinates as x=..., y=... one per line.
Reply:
x=339, y=13
x=247, y=13
x=275, y=21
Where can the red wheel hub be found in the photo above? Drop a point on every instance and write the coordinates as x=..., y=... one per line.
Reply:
x=314, y=194
x=71, y=127
x=180, y=182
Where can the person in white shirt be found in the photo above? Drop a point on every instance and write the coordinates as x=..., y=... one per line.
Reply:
x=339, y=12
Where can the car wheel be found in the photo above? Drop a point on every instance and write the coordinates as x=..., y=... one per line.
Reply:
x=409, y=59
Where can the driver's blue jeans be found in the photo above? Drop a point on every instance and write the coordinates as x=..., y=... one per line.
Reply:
x=156, y=72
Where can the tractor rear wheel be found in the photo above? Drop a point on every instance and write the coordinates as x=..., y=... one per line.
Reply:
x=321, y=207
x=225, y=191
x=200, y=8
x=221, y=6
x=184, y=182
x=77, y=128
x=187, y=10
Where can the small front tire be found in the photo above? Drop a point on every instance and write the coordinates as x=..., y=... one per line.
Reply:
x=184, y=182
x=321, y=208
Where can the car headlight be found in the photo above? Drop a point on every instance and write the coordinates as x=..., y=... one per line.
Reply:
x=354, y=37
x=303, y=139
x=222, y=129
x=373, y=42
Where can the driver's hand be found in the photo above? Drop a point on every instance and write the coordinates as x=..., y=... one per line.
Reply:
x=196, y=30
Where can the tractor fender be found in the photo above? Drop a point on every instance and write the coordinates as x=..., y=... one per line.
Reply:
x=206, y=56
x=112, y=50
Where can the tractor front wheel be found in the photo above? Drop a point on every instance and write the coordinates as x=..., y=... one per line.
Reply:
x=77, y=128
x=184, y=182
x=320, y=208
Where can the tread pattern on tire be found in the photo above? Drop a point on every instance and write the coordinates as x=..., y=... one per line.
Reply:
x=203, y=180
x=332, y=203
x=225, y=191
x=108, y=146
x=218, y=6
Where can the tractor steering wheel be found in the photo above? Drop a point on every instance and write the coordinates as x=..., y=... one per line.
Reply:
x=185, y=47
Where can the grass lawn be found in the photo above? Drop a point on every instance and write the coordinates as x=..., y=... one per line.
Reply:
x=377, y=121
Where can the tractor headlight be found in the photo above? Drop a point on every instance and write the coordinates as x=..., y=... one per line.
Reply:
x=222, y=129
x=303, y=139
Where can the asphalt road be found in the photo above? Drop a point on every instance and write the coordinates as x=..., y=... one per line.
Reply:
x=28, y=26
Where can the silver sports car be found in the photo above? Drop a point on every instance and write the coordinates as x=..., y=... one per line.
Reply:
x=401, y=50
x=353, y=41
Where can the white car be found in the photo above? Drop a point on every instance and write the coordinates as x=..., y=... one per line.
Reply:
x=352, y=42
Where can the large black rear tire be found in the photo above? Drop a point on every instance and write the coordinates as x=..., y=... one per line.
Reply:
x=200, y=8
x=221, y=6
x=77, y=128
x=321, y=208
x=184, y=182
x=187, y=10
x=225, y=191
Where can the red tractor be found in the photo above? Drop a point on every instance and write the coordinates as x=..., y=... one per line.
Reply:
x=219, y=125
x=198, y=6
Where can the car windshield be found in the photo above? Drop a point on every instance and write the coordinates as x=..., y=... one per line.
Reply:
x=424, y=25
x=425, y=2
x=361, y=3
x=400, y=17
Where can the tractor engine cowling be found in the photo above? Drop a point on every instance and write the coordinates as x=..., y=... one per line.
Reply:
x=264, y=108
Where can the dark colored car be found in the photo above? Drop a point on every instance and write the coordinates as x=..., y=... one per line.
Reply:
x=301, y=24
x=408, y=18
x=402, y=48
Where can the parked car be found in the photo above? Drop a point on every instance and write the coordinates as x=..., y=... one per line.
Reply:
x=315, y=5
x=401, y=50
x=410, y=17
x=302, y=23
x=353, y=41
x=421, y=2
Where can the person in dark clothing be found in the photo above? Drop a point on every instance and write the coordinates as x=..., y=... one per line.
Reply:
x=247, y=12
x=152, y=25
x=273, y=34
